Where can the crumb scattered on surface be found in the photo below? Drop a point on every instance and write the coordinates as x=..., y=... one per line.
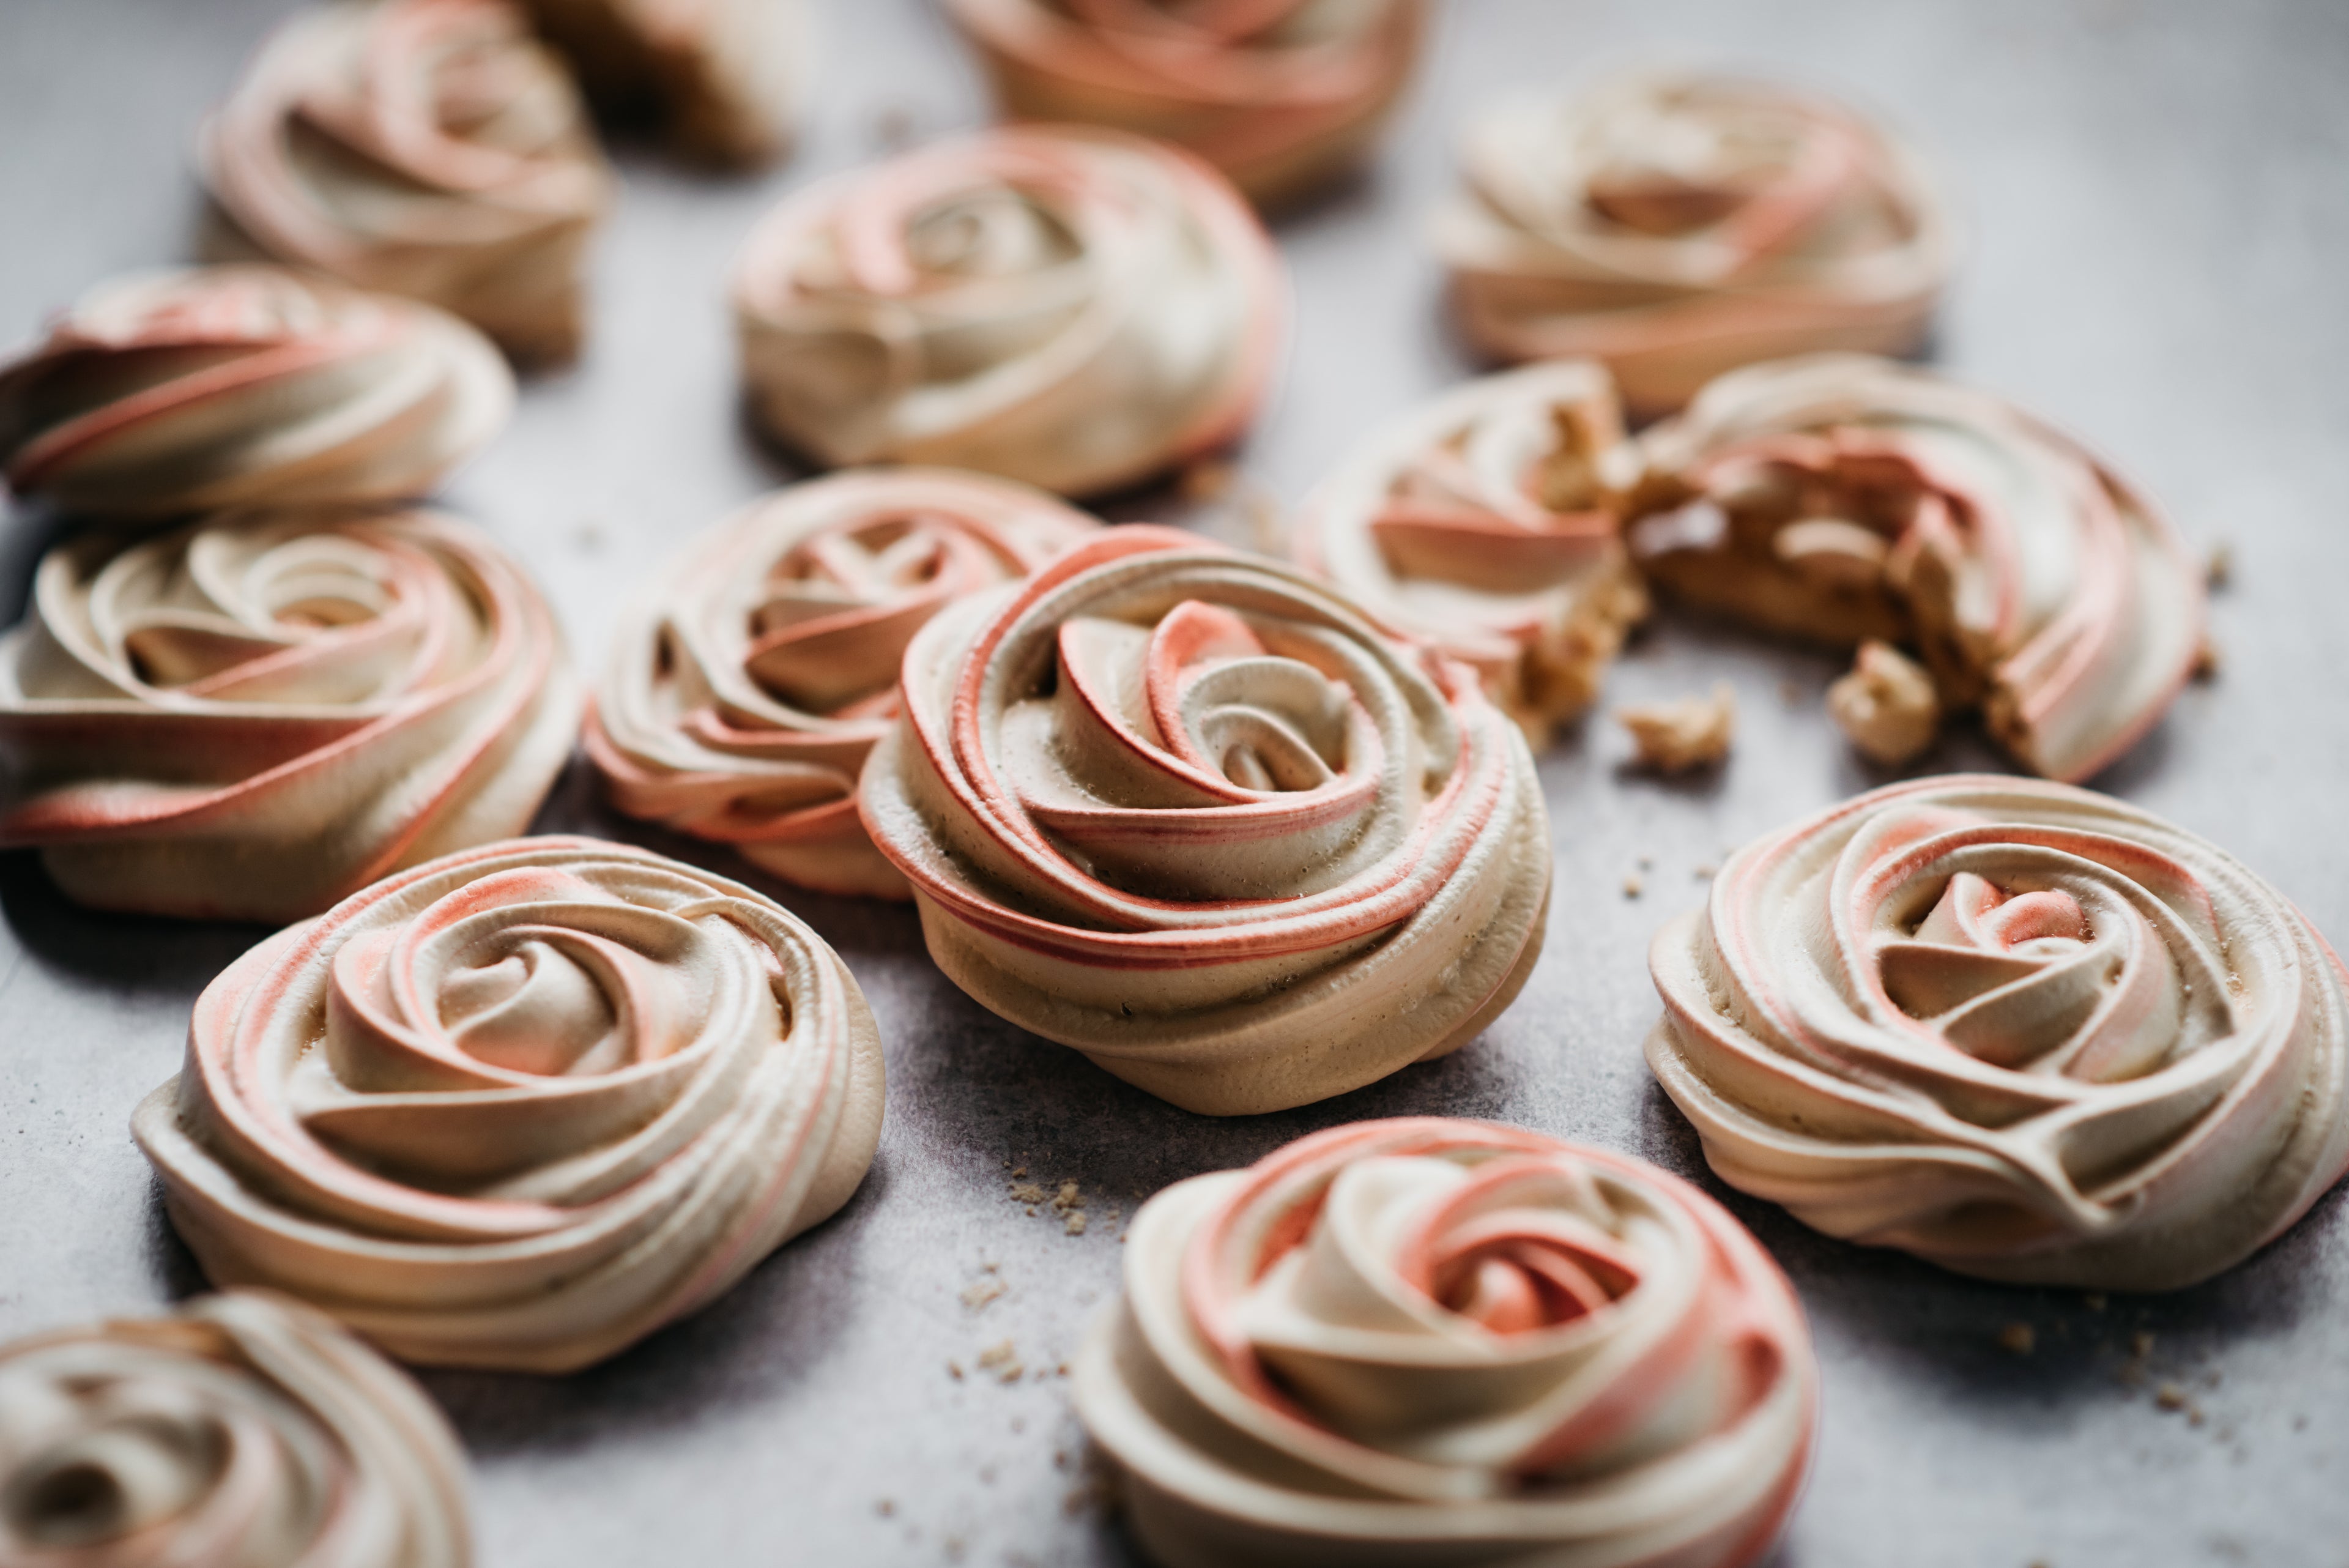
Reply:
x=885, y=1508
x=1685, y=733
x=1027, y=1192
x=1707, y=873
x=2170, y=1396
x=2017, y=1338
x=1632, y=887
x=1645, y=862
x=1886, y=704
x=953, y=1370
x=1073, y=1222
x=2219, y=570
x=976, y=1295
x=1002, y=1360
x=2207, y=660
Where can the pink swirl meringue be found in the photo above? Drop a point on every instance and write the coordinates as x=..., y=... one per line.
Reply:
x=209, y=387
x=1486, y=525
x=723, y=79
x=429, y=147
x=1840, y=498
x=2021, y=1030
x=1281, y=95
x=1074, y=308
x=251, y=717
x=521, y=1106
x=241, y=1431
x=1189, y=811
x=1679, y=226
x=745, y=691
x=1430, y=1341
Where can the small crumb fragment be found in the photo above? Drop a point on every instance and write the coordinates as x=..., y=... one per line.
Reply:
x=2219, y=569
x=1003, y=1361
x=1707, y=873
x=1886, y=704
x=2095, y=1300
x=1683, y=734
x=1070, y=1197
x=1027, y=1192
x=1060, y=1458
x=2207, y=660
x=1645, y=862
x=1633, y=887
x=2170, y=1396
x=2017, y=1339
x=1062, y=1370
x=2194, y=1417
x=953, y=1370
x=976, y=1295
x=1073, y=1222
x=885, y=1508
x=1019, y=1171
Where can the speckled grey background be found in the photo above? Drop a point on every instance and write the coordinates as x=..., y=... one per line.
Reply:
x=2158, y=196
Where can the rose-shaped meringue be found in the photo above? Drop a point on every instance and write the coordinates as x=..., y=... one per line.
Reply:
x=1191, y=813
x=209, y=386
x=429, y=147
x=521, y=1106
x=1432, y=1341
x=1487, y=523
x=1840, y=498
x=1677, y=226
x=252, y=717
x=1071, y=307
x=723, y=79
x=1281, y=95
x=745, y=691
x=242, y=1432
x=2016, y=1028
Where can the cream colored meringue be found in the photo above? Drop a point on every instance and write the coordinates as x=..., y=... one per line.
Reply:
x=1886, y=704
x=1071, y=307
x=2019, y=1029
x=521, y=1106
x=241, y=1431
x=1486, y=525
x=252, y=717
x=724, y=79
x=1281, y=95
x=1429, y=1341
x=429, y=147
x=1189, y=811
x=1678, y=226
x=1840, y=498
x=745, y=691
x=224, y=386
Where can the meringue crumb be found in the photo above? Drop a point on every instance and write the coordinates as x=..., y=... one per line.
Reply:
x=1073, y=1222
x=1707, y=873
x=2219, y=569
x=1632, y=887
x=1018, y=1171
x=1027, y=1192
x=953, y=1370
x=1683, y=734
x=1003, y=1361
x=1062, y=1370
x=1886, y=704
x=976, y=1295
x=2170, y=1396
x=1070, y=1197
x=2017, y=1338
x=885, y=1508
x=2207, y=660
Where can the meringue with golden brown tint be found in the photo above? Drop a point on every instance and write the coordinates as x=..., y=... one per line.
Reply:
x=257, y=714
x=1839, y=499
x=2019, y=1029
x=723, y=80
x=427, y=147
x=521, y=1106
x=1678, y=226
x=1191, y=813
x=1430, y=1341
x=744, y=692
x=211, y=386
x=1070, y=307
x=1487, y=523
x=1281, y=95
x=241, y=1431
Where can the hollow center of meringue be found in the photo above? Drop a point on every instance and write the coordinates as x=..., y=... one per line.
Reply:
x=102, y=1484
x=533, y=1009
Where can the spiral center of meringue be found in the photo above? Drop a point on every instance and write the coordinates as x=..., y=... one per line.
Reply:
x=133, y=1470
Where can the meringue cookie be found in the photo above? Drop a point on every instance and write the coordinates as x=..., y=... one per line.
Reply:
x=1280, y=95
x=251, y=717
x=429, y=147
x=1071, y=307
x=1486, y=523
x=724, y=79
x=224, y=386
x=521, y=1106
x=745, y=691
x=1840, y=498
x=241, y=1431
x=1430, y=1341
x=1187, y=811
x=1679, y=226
x=2019, y=1029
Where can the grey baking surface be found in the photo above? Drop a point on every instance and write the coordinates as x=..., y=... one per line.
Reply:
x=2159, y=216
